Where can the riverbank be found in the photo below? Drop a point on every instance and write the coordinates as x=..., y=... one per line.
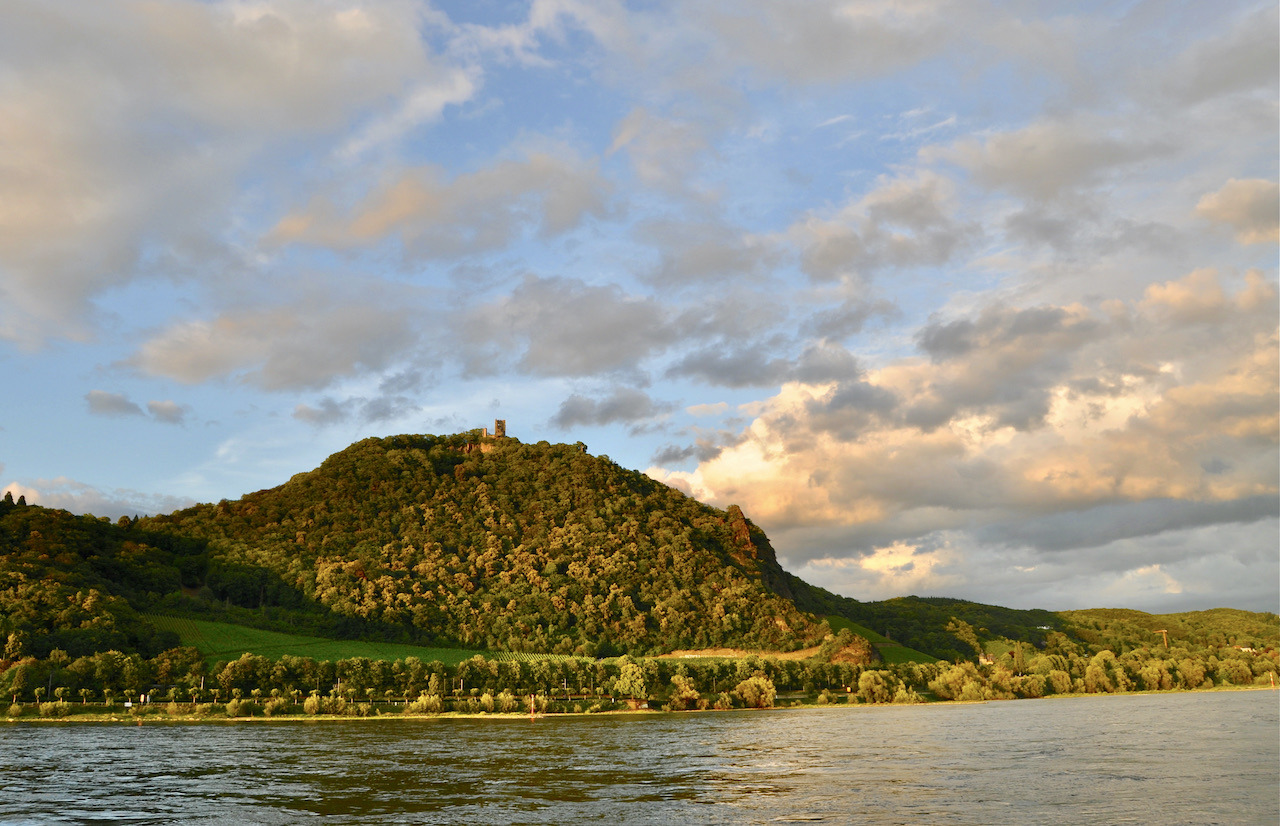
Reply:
x=217, y=714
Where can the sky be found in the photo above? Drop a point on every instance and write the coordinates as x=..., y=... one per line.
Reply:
x=970, y=299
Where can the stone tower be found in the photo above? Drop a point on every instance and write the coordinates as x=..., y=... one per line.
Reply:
x=500, y=428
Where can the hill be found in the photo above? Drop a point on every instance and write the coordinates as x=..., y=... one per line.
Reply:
x=480, y=543
x=487, y=542
x=75, y=583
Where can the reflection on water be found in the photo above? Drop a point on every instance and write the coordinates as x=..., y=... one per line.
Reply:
x=1172, y=758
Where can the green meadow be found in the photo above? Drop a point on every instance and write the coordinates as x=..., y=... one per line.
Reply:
x=224, y=641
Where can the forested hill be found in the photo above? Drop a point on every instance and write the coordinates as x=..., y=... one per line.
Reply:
x=491, y=542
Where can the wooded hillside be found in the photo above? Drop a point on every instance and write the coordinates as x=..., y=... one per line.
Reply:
x=497, y=544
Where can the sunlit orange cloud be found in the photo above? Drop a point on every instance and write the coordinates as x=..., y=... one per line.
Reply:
x=1177, y=402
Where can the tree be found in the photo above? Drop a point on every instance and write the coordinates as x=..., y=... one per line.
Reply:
x=630, y=680
x=964, y=632
x=757, y=691
x=873, y=687
x=684, y=693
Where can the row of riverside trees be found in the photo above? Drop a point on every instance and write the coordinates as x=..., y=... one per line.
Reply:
x=294, y=684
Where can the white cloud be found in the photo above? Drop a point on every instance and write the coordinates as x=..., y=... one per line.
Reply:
x=304, y=345
x=129, y=128
x=78, y=497
x=546, y=194
x=1047, y=158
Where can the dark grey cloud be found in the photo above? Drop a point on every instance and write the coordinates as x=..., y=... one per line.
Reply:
x=943, y=340
x=102, y=403
x=824, y=362
x=624, y=406
x=1004, y=362
x=705, y=448
x=1102, y=525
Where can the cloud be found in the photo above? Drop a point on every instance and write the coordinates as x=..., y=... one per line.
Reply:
x=433, y=217
x=563, y=327
x=169, y=412
x=625, y=405
x=1250, y=207
x=1198, y=568
x=102, y=403
x=306, y=345
x=1108, y=523
x=754, y=366
x=696, y=252
x=663, y=151
x=366, y=411
x=830, y=42
x=1047, y=158
x=1045, y=429
x=902, y=223
x=129, y=129
x=424, y=104
x=1241, y=59
x=79, y=497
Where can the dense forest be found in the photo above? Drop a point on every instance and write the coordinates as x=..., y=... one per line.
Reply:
x=492, y=544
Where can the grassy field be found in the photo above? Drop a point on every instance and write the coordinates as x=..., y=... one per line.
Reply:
x=890, y=651
x=224, y=641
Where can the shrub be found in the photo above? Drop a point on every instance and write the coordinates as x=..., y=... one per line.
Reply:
x=240, y=708
x=906, y=695
x=15, y=710
x=425, y=704
x=276, y=705
x=311, y=705
x=507, y=702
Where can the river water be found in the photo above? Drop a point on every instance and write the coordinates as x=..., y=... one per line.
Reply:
x=1198, y=758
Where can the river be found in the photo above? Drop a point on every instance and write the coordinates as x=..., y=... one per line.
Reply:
x=1199, y=757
